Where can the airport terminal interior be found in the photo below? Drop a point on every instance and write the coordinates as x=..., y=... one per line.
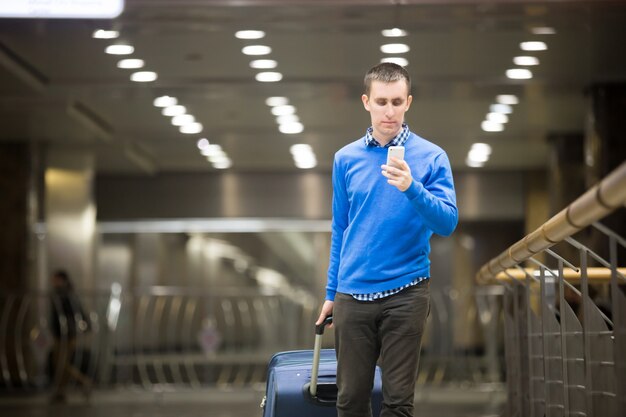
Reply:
x=173, y=161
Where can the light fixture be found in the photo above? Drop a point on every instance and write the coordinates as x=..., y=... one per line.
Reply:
x=303, y=155
x=165, y=101
x=223, y=164
x=183, y=119
x=395, y=48
x=473, y=164
x=143, y=76
x=497, y=117
x=191, y=128
x=501, y=108
x=119, y=49
x=283, y=110
x=509, y=99
x=249, y=34
x=174, y=110
x=203, y=143
x=299, y=148
x=291, y=128
x=403, y=62
x=542, y=30
x=263, y=64
x=105, y=34
x=212, y=150
x=519, y=74
x=394, y=33
x=256, y=50
x=287, y=118
x=276, y=101
x=483, y=148
x=268, y=77
x=533, y=46
x=489, y=126
x=526, y=60
x=130, y=63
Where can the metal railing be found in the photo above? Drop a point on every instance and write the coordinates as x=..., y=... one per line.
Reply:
x=565, y=351
x=165, y=339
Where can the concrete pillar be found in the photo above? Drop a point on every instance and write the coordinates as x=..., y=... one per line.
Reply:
x=70, y=215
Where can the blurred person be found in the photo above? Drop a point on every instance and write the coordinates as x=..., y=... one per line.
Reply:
x=378, y=276
x=68, y=319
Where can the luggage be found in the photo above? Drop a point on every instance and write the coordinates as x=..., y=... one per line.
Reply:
x=302, y=383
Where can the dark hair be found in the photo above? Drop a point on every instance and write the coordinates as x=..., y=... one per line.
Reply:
x=386, y=72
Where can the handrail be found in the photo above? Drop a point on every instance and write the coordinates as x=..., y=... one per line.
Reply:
x=594, y=274
x=593, y=205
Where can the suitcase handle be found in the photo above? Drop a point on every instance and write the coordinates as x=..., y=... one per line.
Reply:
x=319, y=332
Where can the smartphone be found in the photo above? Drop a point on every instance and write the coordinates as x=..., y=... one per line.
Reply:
x=395, y=151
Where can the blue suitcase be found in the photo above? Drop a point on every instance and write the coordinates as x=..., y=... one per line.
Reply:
x=302, y=383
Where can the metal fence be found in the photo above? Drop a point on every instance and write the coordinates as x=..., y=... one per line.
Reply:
x=564, y=349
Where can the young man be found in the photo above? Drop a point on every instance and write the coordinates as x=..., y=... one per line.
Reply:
x=378, y=277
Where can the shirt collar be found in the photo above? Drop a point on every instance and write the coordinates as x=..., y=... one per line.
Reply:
x=399, y=140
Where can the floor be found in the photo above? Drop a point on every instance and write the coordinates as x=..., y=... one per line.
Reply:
x=468, y=401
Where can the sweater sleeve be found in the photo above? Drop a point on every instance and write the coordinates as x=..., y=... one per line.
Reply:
x=340, y=209
x=435, y=200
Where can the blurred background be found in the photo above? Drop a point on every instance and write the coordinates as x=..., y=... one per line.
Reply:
x=175, y=156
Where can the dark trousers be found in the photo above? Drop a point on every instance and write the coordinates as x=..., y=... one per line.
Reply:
x=390, y=328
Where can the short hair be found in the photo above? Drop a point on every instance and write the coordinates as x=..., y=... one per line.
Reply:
x=386, y=72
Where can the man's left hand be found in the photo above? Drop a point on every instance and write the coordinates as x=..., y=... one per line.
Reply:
x=398, y=174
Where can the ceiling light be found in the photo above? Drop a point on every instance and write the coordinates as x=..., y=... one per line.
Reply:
x=477, y=156
x=191, y=128
x=287, y=118
x=300, y=148
x=533, y=46
x=174, y=110
x=525, y=60
x=119, y=49
x=143, y=76
x=212, y=150
x=394, y=33
x=130, y=63
x=291, y=128
x=218, y=157
x=501, y=108
x=105, y=34
x=403, y=62
x=183, y=119
x=263, y=64
x=165, y=101
x=249, y=34
x=203, y=143
x=489, y=126
x=224, y=164
x=481, y=147
x=277, y=101
x=256, y=50
x=543, y=30
x=510, y=99
x=473, y=164
x=269, y=77
x=497, y=117
x=282, y=110
x=305, y=160
x=519, y=74
x=395, y=48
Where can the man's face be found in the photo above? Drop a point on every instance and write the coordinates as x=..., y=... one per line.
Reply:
x=387, y=103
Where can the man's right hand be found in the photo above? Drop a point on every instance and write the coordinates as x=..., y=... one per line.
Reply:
x=327, y=310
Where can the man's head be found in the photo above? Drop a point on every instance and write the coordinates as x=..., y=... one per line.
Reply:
x=387, y=99
x=386, y=73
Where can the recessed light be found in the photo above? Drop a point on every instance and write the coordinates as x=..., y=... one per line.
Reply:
x=174, y=110
x=394, y=33
x=501, y=108
x=525, y=60
x=300, y=148
x=191, y=128
x=143, y=76
x=519, y=74
x=533, y=46
x=395, y=48
x=269, y=77
x=403, y=62
x=223, y=164
x=263, y=64
x=165, y=101
x=183, y=119
x=277, y=101
x=287, y=118
x=489, y=126
x=510, y=99
x=249, y=34
x=282, y=110
x=105, y=34
x=497, y=117
x=482, y=147
x=256, y=50
x=130, y=63
x=291, y=128
x=203, y=143
x=473, y=164
x=543, y=30
x=119, y=49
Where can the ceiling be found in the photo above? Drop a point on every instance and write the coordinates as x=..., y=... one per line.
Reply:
x=59, y=88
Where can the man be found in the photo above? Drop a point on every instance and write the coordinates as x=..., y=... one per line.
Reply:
x=378, y=277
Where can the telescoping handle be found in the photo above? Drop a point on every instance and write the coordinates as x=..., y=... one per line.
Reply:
x=319, y=332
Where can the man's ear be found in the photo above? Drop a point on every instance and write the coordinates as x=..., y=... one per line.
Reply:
x=366, y=102
x=409, y=100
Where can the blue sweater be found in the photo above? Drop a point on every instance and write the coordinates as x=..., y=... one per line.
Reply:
x=380, y=235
